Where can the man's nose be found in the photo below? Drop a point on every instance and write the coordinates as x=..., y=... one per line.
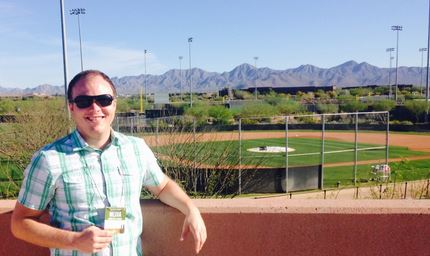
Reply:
x=95, y=104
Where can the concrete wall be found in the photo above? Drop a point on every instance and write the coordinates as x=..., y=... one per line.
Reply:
x=276, y=226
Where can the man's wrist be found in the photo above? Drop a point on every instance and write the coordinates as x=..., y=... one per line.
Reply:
x=71, y=240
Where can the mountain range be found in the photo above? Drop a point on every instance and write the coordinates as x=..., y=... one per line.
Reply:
x=347, y=74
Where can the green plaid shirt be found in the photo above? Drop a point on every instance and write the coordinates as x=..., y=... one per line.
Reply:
x=77, y=182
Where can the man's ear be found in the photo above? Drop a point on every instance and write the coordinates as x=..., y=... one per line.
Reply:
x=71, y=107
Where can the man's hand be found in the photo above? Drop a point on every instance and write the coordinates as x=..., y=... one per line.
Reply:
x=194, y=223
x=171, y=194
x=92, y=239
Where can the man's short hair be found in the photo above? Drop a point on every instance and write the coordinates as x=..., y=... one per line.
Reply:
x=85, y=74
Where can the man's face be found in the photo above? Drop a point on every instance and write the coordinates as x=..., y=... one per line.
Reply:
x=93, y=122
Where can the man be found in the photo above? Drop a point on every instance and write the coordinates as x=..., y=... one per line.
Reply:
x=91, y=181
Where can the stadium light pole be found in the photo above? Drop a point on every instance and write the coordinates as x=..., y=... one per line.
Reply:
x=390, y=93
x=428, y=58
x=144, y=76
x=78, y=12
x=180, y=77
x=256, y=72
x=63, y=37
x=190, y=40
x=422, y=50
x=397, y=28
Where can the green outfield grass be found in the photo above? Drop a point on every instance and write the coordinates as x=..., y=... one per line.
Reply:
x=401, y=171
x=306, y=151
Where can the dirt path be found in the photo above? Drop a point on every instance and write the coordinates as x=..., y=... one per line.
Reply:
x=412, y=141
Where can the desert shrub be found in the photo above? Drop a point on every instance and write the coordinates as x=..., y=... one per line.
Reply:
x=199, y=112
x=6, y=106
x=273, y=98
x=242, y=95
x=353, y=106
x=29, y=133
x=327, y=108
x=288, y=107
x=417, y=108
x=220, y=115
x=383, y=105
x=258, y=110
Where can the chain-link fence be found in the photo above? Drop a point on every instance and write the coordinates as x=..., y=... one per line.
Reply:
x=266, y=154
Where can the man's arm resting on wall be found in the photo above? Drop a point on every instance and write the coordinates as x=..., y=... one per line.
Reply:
x=26, y=225
x=171, y=194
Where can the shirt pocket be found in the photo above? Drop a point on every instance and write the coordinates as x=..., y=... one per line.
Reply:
x=75, y=189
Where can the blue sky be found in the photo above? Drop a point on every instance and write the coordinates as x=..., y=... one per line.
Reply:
x=282, y=33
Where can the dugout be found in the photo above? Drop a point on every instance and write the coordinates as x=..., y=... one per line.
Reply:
x=272, y=180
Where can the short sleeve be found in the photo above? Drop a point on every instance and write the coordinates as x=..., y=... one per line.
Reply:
x=153, y=174
x=37, y=188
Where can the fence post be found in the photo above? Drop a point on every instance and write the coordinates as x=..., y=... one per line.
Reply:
x=240, y=156
x=157, y=124
x=195, y=178
x=387, y=141
x=322, y=149
x=406, y=189
x=356, y=149
x=286, y=154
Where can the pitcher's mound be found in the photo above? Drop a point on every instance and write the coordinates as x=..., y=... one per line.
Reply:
x=269, y=149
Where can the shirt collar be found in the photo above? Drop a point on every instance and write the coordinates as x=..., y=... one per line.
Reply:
x=81, y=144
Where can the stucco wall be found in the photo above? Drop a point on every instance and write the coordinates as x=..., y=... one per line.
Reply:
x=277, y=227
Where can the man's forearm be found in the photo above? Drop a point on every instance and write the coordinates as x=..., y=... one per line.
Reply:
x=41, y=234
x=174, y=196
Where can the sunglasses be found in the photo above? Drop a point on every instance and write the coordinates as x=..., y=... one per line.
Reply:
x=84, y=101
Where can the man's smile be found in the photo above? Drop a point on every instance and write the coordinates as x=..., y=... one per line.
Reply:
x=94, y=118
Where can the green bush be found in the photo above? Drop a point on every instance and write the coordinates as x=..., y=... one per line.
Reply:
x=220, y=115
x=20, y=140
x=258, y=110
x=417, y=108
x=353, y=106
x=242, y=95
x=6, y=106
x=199, y=112
x=383, y=105
x=327, y=108
x=288, y=107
